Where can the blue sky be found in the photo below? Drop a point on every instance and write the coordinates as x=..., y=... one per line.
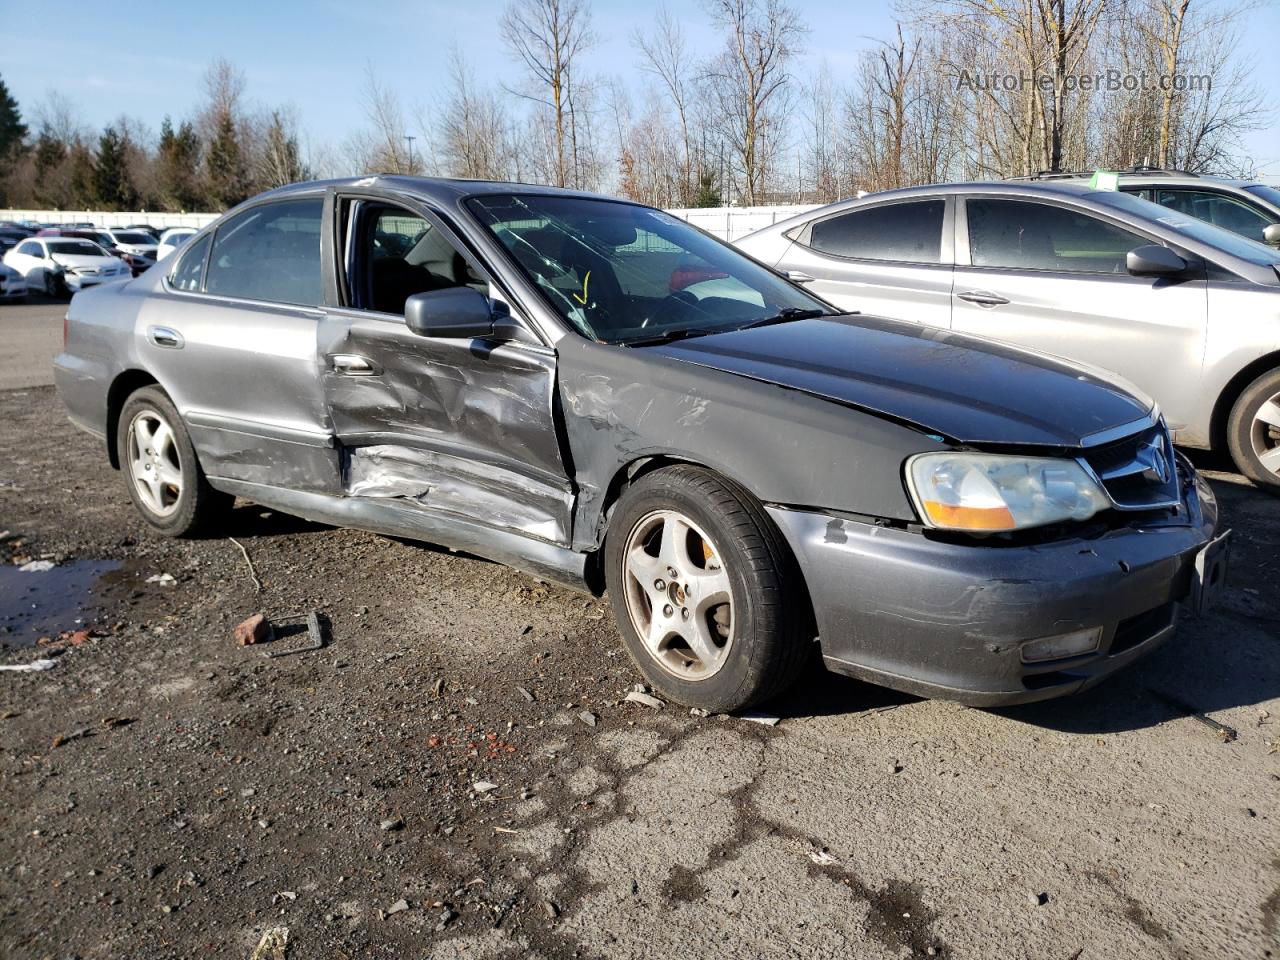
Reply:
x=149, y=62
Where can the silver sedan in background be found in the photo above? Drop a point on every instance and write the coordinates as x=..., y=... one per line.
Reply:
x=1187, y=311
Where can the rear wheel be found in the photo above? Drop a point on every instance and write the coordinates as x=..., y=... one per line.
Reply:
x=163, y=475
x=1253, y=431
x=705, y=591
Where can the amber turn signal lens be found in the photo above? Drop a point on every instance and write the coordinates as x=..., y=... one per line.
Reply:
x=977, y=519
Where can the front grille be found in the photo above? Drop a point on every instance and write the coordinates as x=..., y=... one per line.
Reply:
x=1139, y=471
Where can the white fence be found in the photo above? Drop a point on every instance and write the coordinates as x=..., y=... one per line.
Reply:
x=727, y=223
x=733, y=223
x=100, y=218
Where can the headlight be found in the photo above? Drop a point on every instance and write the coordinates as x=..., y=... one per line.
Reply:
x=989, y=493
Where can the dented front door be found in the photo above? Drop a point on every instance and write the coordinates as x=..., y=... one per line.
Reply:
x=456, y=427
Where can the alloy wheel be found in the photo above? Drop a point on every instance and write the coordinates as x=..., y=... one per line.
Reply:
x=154, y=463
x=1264, y=434
x=678, y=595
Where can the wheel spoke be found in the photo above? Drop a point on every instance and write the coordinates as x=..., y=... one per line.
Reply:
x=169, y=474
x=142, y=436
x=645, y=568
x=1271, y=459
x=1269, y=413
x=710, y=587
x=698, y=635
x=675, y=544
x=659, y=630
x=162, y=440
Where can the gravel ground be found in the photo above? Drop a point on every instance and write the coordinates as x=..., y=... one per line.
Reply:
x=169, y=794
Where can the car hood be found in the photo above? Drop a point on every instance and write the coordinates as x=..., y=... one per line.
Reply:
x=76, y=260
x=964, y=388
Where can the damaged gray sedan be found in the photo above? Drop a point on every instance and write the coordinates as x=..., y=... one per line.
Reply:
x=599, y=394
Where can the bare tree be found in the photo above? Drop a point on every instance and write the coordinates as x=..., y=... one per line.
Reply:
x=548, y=36
x=666, y=55
x=474, y=133
x=382, y=146
x=750, y=79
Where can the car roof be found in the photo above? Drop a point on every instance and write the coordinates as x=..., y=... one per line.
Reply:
x=436, y=188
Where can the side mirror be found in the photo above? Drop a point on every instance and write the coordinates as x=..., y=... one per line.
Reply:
x=1271, y=234
x=458, y=313
x=1154, y=260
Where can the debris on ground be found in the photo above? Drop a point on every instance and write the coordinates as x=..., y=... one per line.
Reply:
x=699, y=712
x=164, y=579
x=550, y=909
x=589, y=718
x=73, y=735
x=35, y=666
x=635, y=696
x=37, y=566
x=823, y=858
x=1225, y=733
x=446, y=918
x=274, y=945
x=257, y=584
x=484, y=786
x=764, y=718
x=255, y=629
x=526, y=693
x=388, y=826
x=400, y=906
x=315, y=635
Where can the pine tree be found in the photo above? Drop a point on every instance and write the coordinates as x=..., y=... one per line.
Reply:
x=83, y=185
x=708, y=194
x=114, y=189
x=228, y=178
x=178, y=162
x=13, y=132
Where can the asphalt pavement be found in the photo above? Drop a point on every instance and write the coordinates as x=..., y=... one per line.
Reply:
x=32, y=337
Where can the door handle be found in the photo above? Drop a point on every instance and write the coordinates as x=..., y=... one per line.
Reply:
x=165, y=337
x=799, y=276
x=351, y=365
x=983, y=298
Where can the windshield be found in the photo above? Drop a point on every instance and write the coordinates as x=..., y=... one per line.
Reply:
x=622, y=273
x=1269, y=194
x=1224, y=240
x=133, y=238
x=80, y=248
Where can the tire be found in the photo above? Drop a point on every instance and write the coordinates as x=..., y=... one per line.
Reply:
x=50, y=285
x=734, y=627
x=1253, y=431
x=161, y=471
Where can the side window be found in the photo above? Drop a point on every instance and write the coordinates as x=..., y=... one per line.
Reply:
x=1218, y=209
x=189, y=272
x=1037, y=236
x=269, y=252
x=908, y=232
x=397, y=254
x=30, y=248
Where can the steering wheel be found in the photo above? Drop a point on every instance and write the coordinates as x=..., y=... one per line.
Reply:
x=683, y=297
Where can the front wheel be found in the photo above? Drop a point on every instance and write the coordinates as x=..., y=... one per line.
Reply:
x=164, y=478
x=1253, y=431
x=705, y=591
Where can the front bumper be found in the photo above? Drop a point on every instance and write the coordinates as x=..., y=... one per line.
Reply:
x=948, y=620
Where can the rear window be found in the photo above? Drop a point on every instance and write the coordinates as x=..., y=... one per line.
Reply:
x=905, y=232
x=133, y=238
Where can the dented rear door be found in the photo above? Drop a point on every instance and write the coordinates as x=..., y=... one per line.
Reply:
x=457, y=427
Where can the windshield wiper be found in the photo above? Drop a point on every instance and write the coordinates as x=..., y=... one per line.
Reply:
x=786, y=315
x=667, y=336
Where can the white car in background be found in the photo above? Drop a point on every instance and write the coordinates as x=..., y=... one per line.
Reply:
x=136, y=242
x=13, y=285
x=52, y=264
x=172, y=239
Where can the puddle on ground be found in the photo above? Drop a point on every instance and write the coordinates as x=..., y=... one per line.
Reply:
x=35, y=605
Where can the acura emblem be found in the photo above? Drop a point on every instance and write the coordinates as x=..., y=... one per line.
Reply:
x=1155, y=464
